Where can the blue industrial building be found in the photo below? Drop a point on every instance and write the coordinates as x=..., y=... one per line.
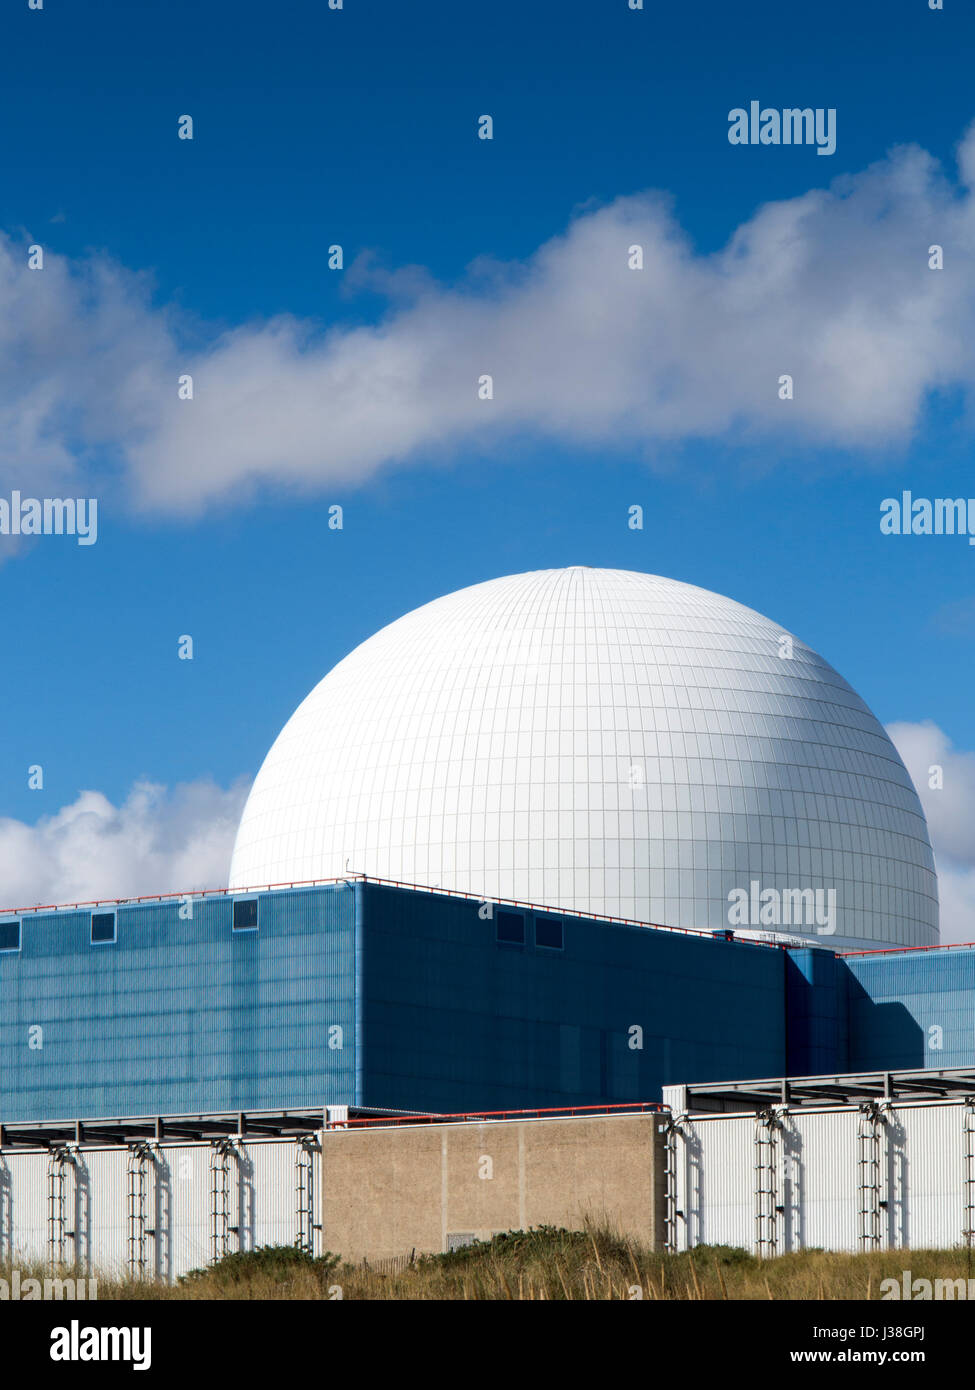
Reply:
x=384, y=997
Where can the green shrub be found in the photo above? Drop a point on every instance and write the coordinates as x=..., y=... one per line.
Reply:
x=733, y=1255
x=276, y=1262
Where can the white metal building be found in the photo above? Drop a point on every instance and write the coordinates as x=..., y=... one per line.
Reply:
x=875, y=1161
x=153, y=1198
x=884, y=1160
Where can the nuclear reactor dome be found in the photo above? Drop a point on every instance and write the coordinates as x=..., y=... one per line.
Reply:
x=604, y=741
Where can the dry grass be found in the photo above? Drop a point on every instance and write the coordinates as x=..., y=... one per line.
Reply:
x=554, y=1264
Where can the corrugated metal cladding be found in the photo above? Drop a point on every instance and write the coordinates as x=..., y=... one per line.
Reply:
x=919, y=1197
x=370, y=996
x=911, y=1009
x=181, y=1218
x=887, y=1012
x=816, y=1007
x=455, y=1019
x=181, y=1015
x=376, y=996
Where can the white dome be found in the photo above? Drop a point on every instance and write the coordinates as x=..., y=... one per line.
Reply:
x=605, y=741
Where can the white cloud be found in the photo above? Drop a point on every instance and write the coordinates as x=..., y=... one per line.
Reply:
x=159, y=840
x=832, y=287
x=957, y=889
x=950, y=812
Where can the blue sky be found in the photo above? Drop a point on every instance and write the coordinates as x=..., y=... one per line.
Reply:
x=358, y=127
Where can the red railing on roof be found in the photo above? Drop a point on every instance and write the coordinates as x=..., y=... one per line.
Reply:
x=895, y=950
x=580, y=1111
x=387, y=883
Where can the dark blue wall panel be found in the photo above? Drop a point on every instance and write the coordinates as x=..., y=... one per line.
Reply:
x=816, y=1002
x=455, y=1019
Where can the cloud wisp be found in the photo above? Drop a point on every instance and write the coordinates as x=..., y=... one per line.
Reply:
x=832, y=288
x=159, y=840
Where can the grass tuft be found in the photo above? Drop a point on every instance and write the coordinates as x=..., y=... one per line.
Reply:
x=549, y=1262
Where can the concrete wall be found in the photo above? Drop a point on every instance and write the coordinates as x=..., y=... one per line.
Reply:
x=387, y=1192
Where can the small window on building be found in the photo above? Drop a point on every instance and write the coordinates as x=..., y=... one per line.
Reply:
x=548, y=932
x=511, y=928
x=245, y=914
x=10, y=936
x=102, y=928
x=457, y=1240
